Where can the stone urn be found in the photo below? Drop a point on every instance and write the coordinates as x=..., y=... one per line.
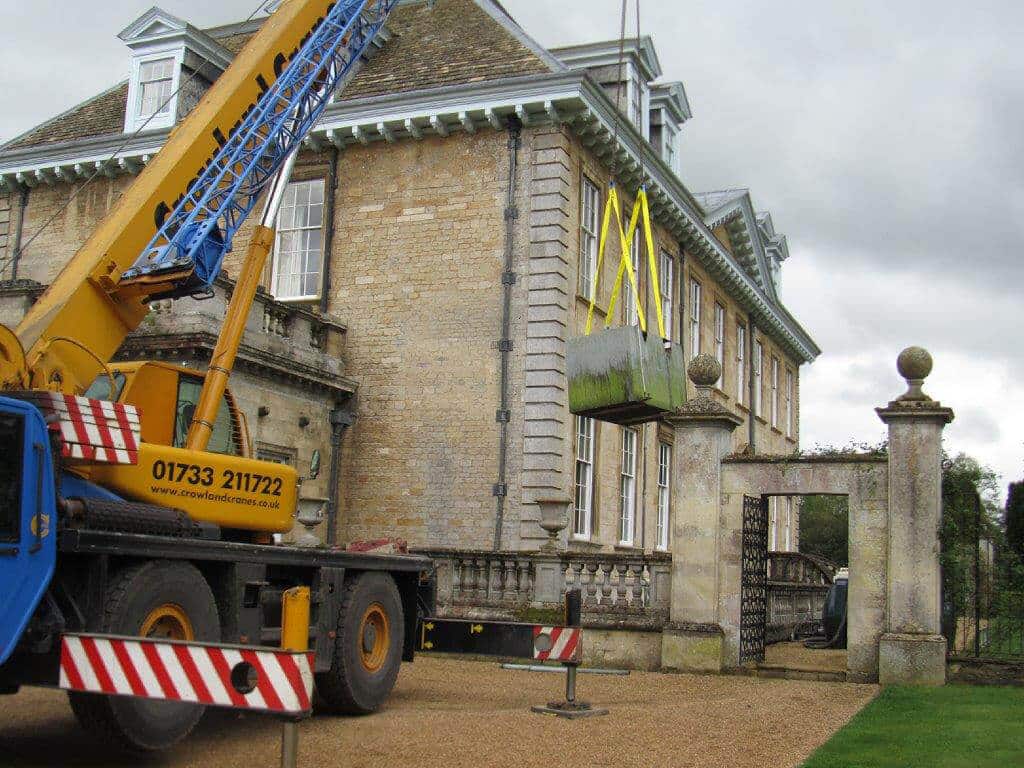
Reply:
x=311, y=513
x=554, y=516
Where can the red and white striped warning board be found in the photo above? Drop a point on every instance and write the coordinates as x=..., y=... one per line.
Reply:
x=90, y=430
x=214, y=675
x=557, y=643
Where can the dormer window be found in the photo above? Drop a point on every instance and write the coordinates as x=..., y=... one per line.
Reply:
x=168, y=56
x=669, y=110
x=624, y=70
x=156, y=84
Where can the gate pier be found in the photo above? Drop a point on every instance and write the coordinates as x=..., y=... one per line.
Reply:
x=694, y=640
x=911, y=650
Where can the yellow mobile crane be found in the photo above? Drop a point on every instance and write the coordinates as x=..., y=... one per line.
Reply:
x=131, y=504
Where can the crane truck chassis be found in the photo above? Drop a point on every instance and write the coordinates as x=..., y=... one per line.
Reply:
x=139, y=570
x=130, y=502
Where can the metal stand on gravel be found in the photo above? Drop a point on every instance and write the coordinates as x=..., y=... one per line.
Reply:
x=571, y=708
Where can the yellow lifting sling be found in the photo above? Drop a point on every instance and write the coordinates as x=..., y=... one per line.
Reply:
x=625, y=375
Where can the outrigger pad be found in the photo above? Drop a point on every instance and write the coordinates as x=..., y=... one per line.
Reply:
x=623, y=376
x=570, y=710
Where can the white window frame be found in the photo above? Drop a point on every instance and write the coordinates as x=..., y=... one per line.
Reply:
x=638, y=101
x=133, y=120
x=758, y=382
x=664, y=495
x=773, y=523
x=629, y=298
x=666, y=283
x=281, y=231
x=583, y=498
x=789, y=402
x=590, y=212
x=741, y=363
x=775, y=393
x=669, y=146
x=627, y=488
x=720, y=342
x=696, y=291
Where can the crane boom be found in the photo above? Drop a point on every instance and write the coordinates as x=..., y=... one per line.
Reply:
x=167, y=235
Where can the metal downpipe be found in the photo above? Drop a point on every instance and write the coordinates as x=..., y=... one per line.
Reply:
x=19, y=225
x=508, y=279
x=341, y=420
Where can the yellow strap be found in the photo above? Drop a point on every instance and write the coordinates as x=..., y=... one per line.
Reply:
x=640, y=210
x=652, y=260
x=626, y=265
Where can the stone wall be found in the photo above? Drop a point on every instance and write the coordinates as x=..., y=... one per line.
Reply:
x=416, y=275
x=55, y=246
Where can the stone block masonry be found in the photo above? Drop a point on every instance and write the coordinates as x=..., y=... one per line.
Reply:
x=416, y=274
x=547, y=446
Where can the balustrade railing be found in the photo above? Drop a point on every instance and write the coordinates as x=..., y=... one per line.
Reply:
x=798, y=585
x=614, y=587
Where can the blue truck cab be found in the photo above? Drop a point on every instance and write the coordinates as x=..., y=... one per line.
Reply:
x=28, y=518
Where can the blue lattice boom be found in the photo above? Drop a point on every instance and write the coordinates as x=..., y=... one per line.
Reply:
x=198, y=232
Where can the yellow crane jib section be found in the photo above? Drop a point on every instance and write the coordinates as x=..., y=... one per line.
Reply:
x=83, y=302
x=641, y=214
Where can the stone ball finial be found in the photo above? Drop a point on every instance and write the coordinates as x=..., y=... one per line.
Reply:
x=914, y=364
x=704, y=370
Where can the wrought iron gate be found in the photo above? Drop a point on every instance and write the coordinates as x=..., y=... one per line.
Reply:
x=754, y=581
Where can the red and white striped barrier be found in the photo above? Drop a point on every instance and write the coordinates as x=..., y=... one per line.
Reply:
x=90, y=430
x=200, y=673
x=557, y=643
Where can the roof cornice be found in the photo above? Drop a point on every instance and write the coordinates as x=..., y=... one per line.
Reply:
x=571, y=98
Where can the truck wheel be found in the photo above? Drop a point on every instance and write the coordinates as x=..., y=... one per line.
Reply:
x=367, y=648
x=160, y=600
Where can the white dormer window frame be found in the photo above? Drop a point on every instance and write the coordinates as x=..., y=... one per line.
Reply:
x=670, y=144
x=635, y=100
x=134, y=118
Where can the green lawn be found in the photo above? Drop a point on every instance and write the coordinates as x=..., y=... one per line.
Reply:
x=957, y=726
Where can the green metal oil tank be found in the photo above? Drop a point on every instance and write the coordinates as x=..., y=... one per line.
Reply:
x=623, y=376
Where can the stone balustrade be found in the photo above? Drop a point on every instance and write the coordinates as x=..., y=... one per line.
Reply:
x=617, y=589
x=287, y=340
x=798, y=585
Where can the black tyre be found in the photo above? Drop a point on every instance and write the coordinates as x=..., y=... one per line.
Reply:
x=154, y=599
x=367, y=648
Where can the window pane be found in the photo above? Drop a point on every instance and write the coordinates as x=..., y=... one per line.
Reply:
x=298, y=257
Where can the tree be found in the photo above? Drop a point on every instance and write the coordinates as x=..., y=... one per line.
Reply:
x=825, y=528
x=1014, y=518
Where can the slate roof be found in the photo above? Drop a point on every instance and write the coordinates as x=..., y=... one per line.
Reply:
x=100, y=115
x=452, y=42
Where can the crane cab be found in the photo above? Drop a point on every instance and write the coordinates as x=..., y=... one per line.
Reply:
x=166, y=396
x=222, y=485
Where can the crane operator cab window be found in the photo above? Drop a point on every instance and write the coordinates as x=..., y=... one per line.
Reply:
x=224, y=438
x=100, y=389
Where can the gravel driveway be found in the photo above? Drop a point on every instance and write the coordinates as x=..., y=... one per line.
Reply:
x=465, y=713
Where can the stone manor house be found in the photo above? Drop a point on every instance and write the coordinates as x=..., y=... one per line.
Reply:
x=462, y=170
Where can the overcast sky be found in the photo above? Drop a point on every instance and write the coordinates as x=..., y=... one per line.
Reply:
x=884, y=137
